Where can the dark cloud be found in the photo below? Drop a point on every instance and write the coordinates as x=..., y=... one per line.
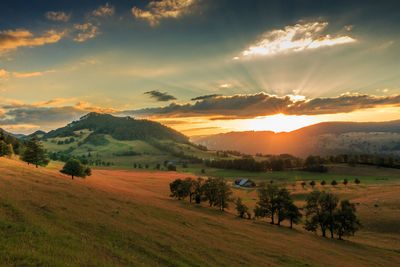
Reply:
x=205, y=97
x=41, y=115
x=262, y=104
x=160, y=96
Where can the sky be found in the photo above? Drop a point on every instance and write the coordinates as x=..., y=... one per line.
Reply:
x=199, y=66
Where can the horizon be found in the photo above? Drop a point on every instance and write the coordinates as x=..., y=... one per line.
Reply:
x=199, y=135
x=200, y=67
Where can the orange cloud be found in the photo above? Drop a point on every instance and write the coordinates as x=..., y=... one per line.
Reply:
x=104, y=11
x=13, y=39
x=157, y=10
x=26, y=74
x=86, y=31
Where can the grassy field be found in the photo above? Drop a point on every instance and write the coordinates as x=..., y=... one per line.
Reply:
x=122, y=217
x=111, y=152
x=367, y=174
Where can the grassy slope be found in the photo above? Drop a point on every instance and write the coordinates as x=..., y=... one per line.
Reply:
x=149, y=154
x=125, y=218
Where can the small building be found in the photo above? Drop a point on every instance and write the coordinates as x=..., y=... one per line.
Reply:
x=244, y=182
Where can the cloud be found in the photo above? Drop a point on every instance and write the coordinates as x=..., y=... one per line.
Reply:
x=295, y=38
x=57, y=16
x=26, y=74
x=160, y=96
x=13, y=39
x=225, y=85
x=205, y=97
x=85, y=31
x=262, y=104
x=104, y=11
x=43, y=115
x=4, y=75
x=157, y=10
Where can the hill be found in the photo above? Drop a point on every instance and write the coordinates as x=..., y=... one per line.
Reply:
x=321, y=139
x=125, y=218
x=106, y=139
x=10, y=140
x=20, y=136
x=120, y=128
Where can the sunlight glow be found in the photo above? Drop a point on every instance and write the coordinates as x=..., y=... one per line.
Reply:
x=279, y=123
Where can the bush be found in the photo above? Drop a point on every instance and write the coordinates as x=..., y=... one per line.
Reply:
x=171, y=167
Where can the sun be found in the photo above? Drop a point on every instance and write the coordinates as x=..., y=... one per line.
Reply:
x=279, y=123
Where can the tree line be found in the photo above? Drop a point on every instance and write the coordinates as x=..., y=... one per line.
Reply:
x=323, y=211
x=216, y=192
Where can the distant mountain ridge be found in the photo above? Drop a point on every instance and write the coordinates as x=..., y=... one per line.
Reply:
x=322, y=139
x=13, y=134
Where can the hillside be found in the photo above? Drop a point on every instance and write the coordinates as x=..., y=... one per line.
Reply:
x=122, y=141
x=121, y=218
x=321, y=139
x=120, y=128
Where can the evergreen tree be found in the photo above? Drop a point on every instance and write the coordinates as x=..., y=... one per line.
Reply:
x=34, y=153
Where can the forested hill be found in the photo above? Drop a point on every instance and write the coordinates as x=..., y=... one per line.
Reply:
x=320, y=139
x=7, y=140
x=120, y=128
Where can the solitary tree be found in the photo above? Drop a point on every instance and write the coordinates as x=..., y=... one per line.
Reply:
x=333, y=182
x=323, y=182
x=74, y=168
x=357, y=181
x=345, y=182
x=312, y=183
x=34, y=153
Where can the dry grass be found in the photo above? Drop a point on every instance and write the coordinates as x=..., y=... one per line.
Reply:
x=124, y=218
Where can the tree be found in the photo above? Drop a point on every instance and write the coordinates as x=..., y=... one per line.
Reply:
x=293, y=214
x=345, y=182
x=320, y=211
x=224, y=193
x=357, y=181
x=241, y=208
x=283, y=202
x=178, y=189
x=329, y=203
x=303, y=184
x=217, y=192
x=189, y=187
x=171, y=167
x=74, y=168
x=323, y=182
x=267, y=203
x=346, y=222
x=210, y=189
x=312, y=183
x=34, y=153
x=198, y=190
x=333, y=183
x=5, y=149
